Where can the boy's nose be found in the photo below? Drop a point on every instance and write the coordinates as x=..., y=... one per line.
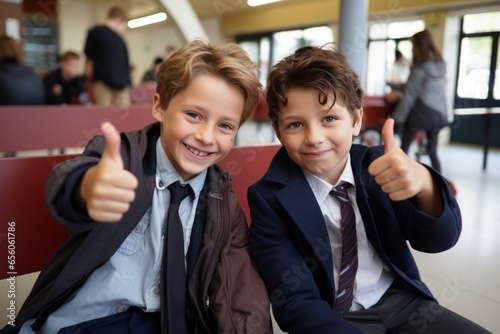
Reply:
x=205, y=135
x=314, y=137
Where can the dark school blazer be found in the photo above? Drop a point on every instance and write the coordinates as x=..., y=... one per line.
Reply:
x=291, y=247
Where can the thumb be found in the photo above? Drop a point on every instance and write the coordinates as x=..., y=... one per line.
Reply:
x=388, y=135
x=112, y=148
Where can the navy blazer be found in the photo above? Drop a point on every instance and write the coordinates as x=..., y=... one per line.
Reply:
x=291, y=247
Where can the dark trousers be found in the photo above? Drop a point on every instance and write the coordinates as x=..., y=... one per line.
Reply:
x=430, y=146
x=132, y=321
x=402, y=310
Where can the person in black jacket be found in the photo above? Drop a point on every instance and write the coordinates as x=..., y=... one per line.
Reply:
x=65, y=85
x=19, y=83
x=107, y=60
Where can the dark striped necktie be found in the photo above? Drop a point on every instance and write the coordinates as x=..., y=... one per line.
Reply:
x=349, y=262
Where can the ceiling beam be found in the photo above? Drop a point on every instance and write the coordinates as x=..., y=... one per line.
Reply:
x=185, y=18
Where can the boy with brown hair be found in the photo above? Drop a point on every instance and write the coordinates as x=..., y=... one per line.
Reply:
x=65, y=85
x=131, y=265
x=331, y=219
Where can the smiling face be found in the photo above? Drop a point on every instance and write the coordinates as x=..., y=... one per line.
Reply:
x=199, y=124
x=316, y=137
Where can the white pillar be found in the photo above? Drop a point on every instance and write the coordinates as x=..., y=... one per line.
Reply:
x=353, y=37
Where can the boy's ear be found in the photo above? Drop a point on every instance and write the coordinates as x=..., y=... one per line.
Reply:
x=357, y=125
x=157, y=110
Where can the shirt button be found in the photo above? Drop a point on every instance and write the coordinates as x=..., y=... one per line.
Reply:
x=137, y=229
x=156, y=290
x=121, y=309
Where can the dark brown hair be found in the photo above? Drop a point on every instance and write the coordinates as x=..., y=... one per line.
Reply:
x=321, y=68
x=227, y=61
x=424, y=48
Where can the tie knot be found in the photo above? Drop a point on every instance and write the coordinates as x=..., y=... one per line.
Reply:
x=340, y=192
x=178, y=192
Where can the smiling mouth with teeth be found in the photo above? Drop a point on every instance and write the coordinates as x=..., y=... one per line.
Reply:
x=196, y=152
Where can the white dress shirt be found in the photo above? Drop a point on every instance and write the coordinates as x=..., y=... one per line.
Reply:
x=373, y=277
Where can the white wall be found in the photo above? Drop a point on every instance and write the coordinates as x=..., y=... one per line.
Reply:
x=144, y=43
x=148, y=42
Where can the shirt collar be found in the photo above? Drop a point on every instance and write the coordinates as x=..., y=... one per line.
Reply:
x=166, y=173
x=321, y=188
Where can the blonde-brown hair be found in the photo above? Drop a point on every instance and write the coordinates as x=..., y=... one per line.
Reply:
x=227, y=61
x=322, y=68
x=69, y=55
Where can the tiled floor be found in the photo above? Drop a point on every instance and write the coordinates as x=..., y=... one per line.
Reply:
x=466, y=279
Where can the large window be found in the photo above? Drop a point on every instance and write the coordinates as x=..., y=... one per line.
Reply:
x=267, y=49
x=384, y=40
x=478, y=73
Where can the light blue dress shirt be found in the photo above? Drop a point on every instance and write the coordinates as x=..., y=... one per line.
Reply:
x=131, y=277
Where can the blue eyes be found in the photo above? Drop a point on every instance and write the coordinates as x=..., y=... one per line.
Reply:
x=226, y=126
x=193, y=114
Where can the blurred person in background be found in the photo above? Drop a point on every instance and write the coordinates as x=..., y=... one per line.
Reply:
x=422, y=104
x=107, y=60
x=150, y=75
x=19, y=83
x=65, y=85
x=400, y=71
x=397, y=80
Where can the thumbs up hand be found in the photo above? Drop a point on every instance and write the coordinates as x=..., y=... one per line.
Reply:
x=107, y=189
x=399, y=176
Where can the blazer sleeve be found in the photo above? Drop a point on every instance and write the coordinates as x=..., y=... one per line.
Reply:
x=297, y=304
x=240, y=302
x=427, y=233
x=61, y=184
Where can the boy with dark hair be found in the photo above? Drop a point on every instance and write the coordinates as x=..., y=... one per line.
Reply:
x=133, y=263
x=331, y=219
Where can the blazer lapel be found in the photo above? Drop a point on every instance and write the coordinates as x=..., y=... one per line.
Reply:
x=297, y=198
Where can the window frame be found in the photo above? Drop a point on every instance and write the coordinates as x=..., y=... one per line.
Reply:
x=258, y=37
x=490, y=101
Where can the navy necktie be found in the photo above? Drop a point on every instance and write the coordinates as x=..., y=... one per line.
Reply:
x=174, y=263
x=349, y=262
